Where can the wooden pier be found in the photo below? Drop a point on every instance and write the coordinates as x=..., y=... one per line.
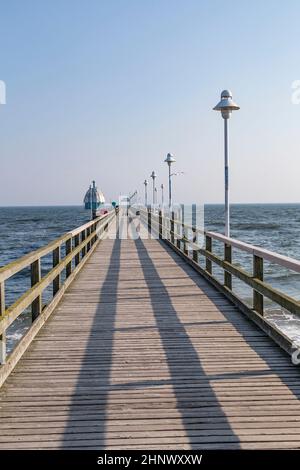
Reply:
x=142, y=348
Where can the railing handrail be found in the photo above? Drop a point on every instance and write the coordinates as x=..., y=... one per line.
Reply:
x=23, y=262
x=268, y=255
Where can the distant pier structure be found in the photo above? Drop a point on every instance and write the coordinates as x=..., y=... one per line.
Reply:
x=93, y=199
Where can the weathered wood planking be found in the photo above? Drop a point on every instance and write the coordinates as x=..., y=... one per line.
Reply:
x=143, y=353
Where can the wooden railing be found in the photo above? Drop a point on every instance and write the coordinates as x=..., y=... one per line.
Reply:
x=78, y=244
x=183, y=238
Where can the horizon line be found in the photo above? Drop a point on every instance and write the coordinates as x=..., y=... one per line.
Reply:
x=205, y=204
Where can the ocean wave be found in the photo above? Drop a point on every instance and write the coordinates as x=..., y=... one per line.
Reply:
x=256, y=226
x=271, y=277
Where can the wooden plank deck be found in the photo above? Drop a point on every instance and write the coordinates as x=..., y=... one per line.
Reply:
x=143, y=353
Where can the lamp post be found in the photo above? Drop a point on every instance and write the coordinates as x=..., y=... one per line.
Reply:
x=153, y=176
x=169, y=160
x=226, y=106
x=162, y=195
x=146, y=195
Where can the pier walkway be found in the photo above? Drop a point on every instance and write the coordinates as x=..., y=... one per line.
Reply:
x=143, y=353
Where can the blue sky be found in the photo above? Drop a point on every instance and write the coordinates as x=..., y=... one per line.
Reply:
x=104, y=89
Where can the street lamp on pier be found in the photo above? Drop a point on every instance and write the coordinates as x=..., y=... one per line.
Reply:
x=169, y=160
x=146, y=195
x=153, y=176
x=226, y=106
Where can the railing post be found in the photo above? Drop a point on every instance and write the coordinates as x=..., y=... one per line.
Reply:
x=68, y=251
x=195, y=252
x=178, y=240
x=258, y=273
x=172, y=227
x=185, y=243
x=2, y=335
x=149, y=220
x=94, y=232
x=183, y=230
x=56, y=260
x=117, y=219
x=36, y=306
x=194, y=225
x=228, y=258
x=91, y=233
x=208, y=247
x=168, y=227
x=83, y=251
x=77, y=257
x=160, y=224
x=88, y=232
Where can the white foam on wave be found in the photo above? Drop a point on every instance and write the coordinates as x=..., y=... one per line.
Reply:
x=285, y=321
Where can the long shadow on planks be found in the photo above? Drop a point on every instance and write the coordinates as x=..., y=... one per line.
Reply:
x=177, y=365
x=277, y=361
x=96, y=371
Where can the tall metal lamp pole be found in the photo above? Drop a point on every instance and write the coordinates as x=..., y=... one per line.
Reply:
x=153, y=176
x=226, y=106
x=146, y=195
x=169, y=160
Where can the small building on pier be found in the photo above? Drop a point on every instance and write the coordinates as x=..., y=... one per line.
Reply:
x=93, y=198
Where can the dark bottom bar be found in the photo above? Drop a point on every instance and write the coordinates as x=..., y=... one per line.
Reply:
x=137, y=459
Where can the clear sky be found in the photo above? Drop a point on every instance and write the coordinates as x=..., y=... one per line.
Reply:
x=105, y=88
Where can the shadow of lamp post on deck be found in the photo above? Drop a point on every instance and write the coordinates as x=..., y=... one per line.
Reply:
x=226, y=106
